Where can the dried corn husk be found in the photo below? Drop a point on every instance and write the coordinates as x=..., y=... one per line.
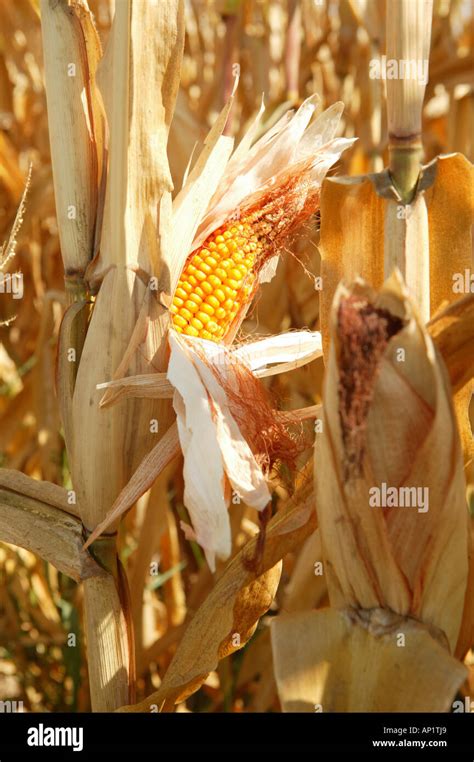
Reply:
x=410, y=561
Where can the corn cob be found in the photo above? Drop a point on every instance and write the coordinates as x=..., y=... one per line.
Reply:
x=216, y=281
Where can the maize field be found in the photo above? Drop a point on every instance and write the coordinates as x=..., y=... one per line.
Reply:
x=236, y=356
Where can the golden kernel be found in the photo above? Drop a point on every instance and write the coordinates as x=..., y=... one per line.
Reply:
x=191, y=306
x=206, y=286
x=190, y=331
x=207, y=309
x=179, y=321
x=202, y=317
x=213, y=301
x=186, y=314
x=197, y=324
x=215, y=281
x=181, y=293
x=236, y=284
x=219, y=294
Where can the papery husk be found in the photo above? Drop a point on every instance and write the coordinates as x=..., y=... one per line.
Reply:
x=413, y=563
x=347, y=663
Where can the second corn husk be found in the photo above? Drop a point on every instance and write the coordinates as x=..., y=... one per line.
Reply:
x=410, y=560
x=396, y=576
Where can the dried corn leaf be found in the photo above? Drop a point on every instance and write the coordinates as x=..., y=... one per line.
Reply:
x=36, y=515
x=233, y=607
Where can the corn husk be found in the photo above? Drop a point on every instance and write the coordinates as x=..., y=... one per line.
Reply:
x=412, y=562
x=350, y=663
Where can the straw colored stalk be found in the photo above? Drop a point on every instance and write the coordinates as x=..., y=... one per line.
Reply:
x=105, y=446
x=387, y=568
x=408, y=34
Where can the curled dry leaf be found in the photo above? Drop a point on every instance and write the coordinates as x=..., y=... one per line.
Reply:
x=452, y=330
x=37, y=516
x=233, y=607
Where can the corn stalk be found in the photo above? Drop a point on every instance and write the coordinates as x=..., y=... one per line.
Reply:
x=111, y=174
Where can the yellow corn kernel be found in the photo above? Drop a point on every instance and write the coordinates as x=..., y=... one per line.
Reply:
x=197, y=324
x=179, y=321
x=206, y=287
x=216, y=280
x=202, y=317
x=207, y=309
x=234, y=284
x=191, y=306
x=213, y=302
